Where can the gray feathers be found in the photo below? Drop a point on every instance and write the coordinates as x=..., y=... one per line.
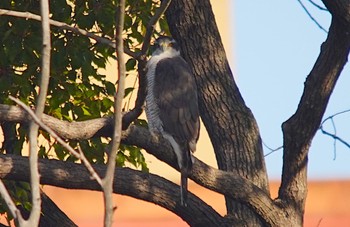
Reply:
x=172, y=105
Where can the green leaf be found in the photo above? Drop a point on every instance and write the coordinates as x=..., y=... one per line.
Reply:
x=130, y=64
x=128, y=90
x=110, y=88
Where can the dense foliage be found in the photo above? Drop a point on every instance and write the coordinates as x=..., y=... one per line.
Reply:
x=78, y=89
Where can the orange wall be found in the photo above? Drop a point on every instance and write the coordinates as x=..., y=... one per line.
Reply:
x=328, y=203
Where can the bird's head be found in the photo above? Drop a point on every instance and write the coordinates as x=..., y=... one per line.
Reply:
x=165, y=44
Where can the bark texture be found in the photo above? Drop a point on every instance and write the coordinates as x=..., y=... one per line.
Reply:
x=299, y=130
x=231, y=126
x=230, y=123
x=130, y=182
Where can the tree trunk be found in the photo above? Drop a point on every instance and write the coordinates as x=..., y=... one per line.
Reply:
x=231, y=126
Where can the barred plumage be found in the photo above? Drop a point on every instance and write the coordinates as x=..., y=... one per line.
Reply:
x=172, y=105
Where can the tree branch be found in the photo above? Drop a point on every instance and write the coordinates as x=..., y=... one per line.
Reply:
x=142, y=61
x=10, y=204
x=334, y=135
x=299, y=130
x=34, y=216
x=311, y=17
x=107, y=181
x=61, y=25
x=151, y=24
x=228, y=183
x=79, y=155
x=129, y=182
x=67, y=130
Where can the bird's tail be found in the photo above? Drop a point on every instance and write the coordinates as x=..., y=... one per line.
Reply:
x=183, y=189
x=185, y=170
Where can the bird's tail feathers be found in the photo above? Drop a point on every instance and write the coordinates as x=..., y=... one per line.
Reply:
x=185, y=170
x=183, y=189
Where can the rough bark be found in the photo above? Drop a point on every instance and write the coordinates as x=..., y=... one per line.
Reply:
x=51, y=214
x=230, y=183
x=299, y=130
x=130, y=182
x=232, y=129
x=231, y=126
x=68, y=130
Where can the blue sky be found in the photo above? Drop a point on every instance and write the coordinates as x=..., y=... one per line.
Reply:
x=276, y=47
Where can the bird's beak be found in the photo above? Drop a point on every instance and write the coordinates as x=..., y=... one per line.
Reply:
x=163, y=46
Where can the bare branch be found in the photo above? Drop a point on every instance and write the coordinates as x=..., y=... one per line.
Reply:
x=107, y=181
x=140, y=185
x=59, y=24
x=62, y=25
x=52, y=133
x=318, y=6
x=150, y=27
x=67, y=130
x=271, y=149
x=34, y=217
x=227, y=183
x=334, y=135
x=10, y=204
x=311, y=17
x=300, y=129
x=133, y=114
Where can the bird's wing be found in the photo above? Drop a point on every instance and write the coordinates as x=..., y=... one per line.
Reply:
x=177, y=101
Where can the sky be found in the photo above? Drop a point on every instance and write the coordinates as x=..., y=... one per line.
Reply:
x=276, y=46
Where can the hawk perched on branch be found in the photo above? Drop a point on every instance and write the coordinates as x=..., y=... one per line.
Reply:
x=172, y=105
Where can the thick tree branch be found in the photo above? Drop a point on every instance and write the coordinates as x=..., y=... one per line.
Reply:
x=232, y=128
x=339, y=10
x=129, y=182
x=228, y=183
x=67, y=130
x=300, y=129
x=79, y=155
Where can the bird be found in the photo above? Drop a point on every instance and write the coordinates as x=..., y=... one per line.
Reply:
x=172, y=104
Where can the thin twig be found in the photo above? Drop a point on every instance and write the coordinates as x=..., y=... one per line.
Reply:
x=271, y=149
x=52, y=133
x=10, y=204
x=107, y=181
x=318, y=6
x=62, y=25
x=334, y=115
x=311, y=17
x=334, y=141
x=334, y=134
x=335, y=137
x=150, y=26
